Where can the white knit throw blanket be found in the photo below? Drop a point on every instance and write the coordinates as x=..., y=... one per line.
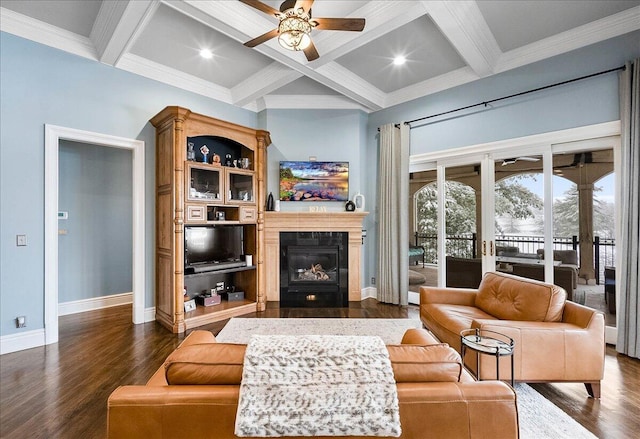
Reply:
x=317, y=385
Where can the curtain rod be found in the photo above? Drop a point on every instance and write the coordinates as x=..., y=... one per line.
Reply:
x=485, y=103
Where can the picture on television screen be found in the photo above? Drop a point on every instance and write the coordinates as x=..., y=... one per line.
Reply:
x=314, y=181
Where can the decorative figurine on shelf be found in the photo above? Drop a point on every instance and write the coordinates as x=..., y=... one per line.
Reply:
x=205, y=151
x=358, y=200
x=350, y=206
x=228, y=161
x=191, y=154
x=215, y=159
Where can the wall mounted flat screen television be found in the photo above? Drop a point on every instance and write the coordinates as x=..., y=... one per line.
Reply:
x=314, y=181
x=212, y=245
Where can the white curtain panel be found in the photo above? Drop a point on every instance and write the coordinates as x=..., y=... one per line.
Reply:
x=393, y=208
x=628, y=276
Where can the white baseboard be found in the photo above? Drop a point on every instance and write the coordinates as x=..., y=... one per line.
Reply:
x=610, y=335
x=369, y=292
x=149, y=314
x=76, y=306
x=372, y=292
x=21, y=341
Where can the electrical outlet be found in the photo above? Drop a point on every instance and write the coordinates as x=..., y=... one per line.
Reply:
x=21, y=322
x=21, y=240
x=373, y=281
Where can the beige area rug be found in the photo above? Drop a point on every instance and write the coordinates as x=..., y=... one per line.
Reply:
x=239, y=330
x=539, y=418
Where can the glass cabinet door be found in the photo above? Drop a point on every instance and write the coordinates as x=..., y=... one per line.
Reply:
x=203, y=183
x=240, y=187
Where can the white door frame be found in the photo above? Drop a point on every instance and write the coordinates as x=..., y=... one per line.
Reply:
x=53, y=135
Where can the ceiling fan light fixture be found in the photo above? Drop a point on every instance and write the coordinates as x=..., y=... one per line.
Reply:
x=294, y=30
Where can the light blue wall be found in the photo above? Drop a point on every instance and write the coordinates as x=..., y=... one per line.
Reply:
x=329, y=135
x=38, y=86
x=95, y=189
x=41, y=85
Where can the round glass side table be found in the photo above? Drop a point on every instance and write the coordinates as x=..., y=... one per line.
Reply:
x=484, y=341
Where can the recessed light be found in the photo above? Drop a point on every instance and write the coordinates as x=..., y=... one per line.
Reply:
x=206, y=54
x=399, y=60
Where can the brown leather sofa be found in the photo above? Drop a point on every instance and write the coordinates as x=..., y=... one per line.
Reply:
x=194, y=394
x=555, y=340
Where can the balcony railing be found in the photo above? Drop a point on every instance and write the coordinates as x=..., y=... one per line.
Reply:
x=466, y=246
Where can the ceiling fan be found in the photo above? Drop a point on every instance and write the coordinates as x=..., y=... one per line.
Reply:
x=506, y=162
x=296, y=24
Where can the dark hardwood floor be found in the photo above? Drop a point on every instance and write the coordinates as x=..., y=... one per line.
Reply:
x=61, y=390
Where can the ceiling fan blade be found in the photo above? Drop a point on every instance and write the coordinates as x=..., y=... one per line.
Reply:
x=261, y=7
x=350, y=24
x=262, y=38
x=311, y=52
x=304, y=4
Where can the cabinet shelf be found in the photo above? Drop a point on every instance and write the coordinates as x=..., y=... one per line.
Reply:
x=226, y=270
x=203, y=315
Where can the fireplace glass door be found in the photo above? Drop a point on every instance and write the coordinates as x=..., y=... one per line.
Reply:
x=313, y=269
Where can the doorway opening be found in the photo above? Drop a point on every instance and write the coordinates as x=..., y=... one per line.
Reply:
x=53, y=136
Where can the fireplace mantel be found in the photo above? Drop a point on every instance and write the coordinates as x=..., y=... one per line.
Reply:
x=276, y=222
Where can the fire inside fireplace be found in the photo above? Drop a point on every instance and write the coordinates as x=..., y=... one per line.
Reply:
x=315, y=274
x=313, y=269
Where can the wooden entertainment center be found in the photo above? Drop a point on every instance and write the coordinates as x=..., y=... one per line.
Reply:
x=208, y=172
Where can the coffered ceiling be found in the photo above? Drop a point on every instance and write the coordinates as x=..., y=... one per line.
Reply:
x=445, y=43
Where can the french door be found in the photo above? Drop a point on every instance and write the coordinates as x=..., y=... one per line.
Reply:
x=495, y=213
x=508, y=207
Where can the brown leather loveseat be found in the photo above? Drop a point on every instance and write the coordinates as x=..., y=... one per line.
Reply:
x=555, y=339
x=194, y=394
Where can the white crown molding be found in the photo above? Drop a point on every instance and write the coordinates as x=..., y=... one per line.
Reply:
x=149, y=69
x=43, y=33
x=463, y=25
x=77, y=306
x=21, y=341
x=308, y=102
x=445, y=81
x=118, y=25
x=262, y=83
x=609, y=27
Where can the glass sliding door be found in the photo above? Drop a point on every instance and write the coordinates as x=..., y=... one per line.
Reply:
x=462, y=218
x=519, y=216
x=423, y=230
x=584, y=223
